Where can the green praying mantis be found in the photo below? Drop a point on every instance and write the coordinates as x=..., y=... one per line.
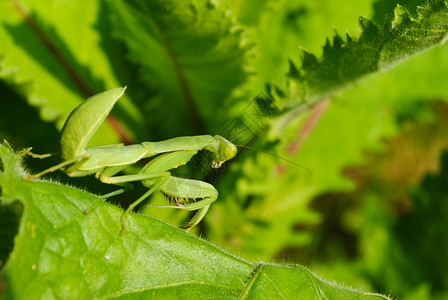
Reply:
x=108, y=160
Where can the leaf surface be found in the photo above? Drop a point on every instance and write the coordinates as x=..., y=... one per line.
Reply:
x=376, y=49
x=68, y=245
x=62, y=50
x=190, y=52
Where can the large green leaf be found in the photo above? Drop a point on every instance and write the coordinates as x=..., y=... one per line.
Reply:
x=69, y=246
x=281, y=26
x=63, y=48
x=376, y=49
x=191, y=52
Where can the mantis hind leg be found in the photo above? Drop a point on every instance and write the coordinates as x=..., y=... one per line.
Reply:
x=107, y=176
x=28, y=152
x=125, y=187
x=159, y=179
x=75, y=164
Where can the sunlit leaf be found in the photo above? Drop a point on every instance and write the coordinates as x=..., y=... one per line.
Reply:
x=69, y=246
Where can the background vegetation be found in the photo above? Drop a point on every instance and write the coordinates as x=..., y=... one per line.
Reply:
x=366, y=114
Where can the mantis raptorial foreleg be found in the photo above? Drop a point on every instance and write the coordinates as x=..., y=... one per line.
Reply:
x=108, y=160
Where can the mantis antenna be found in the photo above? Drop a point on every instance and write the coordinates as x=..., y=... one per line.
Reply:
x=277, y=156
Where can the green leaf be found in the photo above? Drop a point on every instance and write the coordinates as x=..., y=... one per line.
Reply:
x=69, y=246
x=345, y=60
x=190, y=52
x=64, y=51
x=31, y=130
x=279, y=27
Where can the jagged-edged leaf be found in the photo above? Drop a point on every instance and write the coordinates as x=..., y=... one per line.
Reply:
x=63, y=49
x=21, y=123
x=191, y=52
x=281, y=26
x=25, y=88
x=69, y=246
x=346, y=58
x=382, y=8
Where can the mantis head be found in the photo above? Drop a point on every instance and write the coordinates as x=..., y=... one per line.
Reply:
x=224, y=151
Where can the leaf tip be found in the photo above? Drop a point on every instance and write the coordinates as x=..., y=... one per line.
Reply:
x=309, y=60
x=293, y=70
x=401, y=17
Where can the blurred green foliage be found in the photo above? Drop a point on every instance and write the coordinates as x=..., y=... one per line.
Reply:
x=368, y=215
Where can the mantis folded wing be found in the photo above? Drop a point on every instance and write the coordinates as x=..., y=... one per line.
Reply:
x=108, y=160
